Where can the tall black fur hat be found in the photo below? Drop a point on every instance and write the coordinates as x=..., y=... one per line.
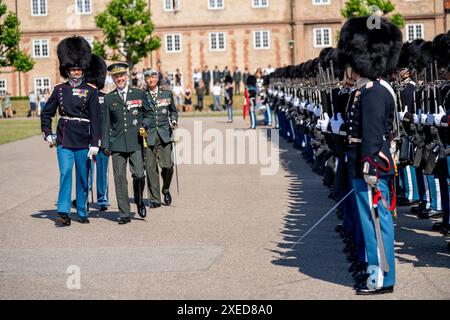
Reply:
x=370, y=52
x=73, y=52
x=441, y=49
x=96, y=74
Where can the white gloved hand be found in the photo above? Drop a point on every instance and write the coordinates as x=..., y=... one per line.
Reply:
x=423, y=118
x=296, y=102
x=51, y=139
x=430, y=118
x=438, y=116
x=325, y=122
x=416, y=119
x=371, y=180
x=92, y=152
x=336, y=124
x=317, y=111
x=310, y=107
x=174, y=124
x=402, y=114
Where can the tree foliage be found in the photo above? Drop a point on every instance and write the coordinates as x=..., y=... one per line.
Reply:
x=10, y=53
x=362, y=8
x=127, y=30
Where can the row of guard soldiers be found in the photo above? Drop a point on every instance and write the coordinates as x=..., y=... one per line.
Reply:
x=371, y=116
x=128, y=125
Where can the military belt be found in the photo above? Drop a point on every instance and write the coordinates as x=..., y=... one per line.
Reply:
x=75, y=118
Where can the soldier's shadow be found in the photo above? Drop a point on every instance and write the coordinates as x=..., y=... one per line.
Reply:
x=94, y=214
x=319, y=255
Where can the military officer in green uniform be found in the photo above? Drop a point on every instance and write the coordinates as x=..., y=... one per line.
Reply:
x=126, y=110
x=159, y=139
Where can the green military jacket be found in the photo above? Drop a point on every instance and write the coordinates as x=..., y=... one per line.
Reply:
x=122, y=120
x=165, y=108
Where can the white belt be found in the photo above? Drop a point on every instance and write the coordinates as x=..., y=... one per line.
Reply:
x=74, y=118
x=354, y=140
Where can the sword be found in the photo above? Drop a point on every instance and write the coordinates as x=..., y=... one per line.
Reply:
x=143, y=134
x=176, y=166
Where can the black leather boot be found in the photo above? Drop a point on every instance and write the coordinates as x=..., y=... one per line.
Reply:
x=138, y=188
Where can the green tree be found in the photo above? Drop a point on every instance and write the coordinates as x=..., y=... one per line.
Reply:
x=10, y=54
x=362, y=8
x=127, y=30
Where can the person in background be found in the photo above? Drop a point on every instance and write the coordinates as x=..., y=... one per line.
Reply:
x=245, y=75
x=229, y=97
x=188, y=99
x=251, y=87
x=178, y=96
x=42, y=101
x=33, y=99
x=2, y=98
x=206, y=77
x=8, y=106
x=237, y=77
x=217, y=96
x=200, y=94
x=197, y=77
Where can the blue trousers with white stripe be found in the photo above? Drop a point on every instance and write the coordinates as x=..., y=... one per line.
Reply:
x=66, y=159
x=364, y=203
x=410, y=183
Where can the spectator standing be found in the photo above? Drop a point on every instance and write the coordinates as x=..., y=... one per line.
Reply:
x=197, y=77
x=217, y=96
x=206, y=77
x=188, y=99
x=2, y=98
x=216, y=74
x=245, y=75
x=229, y=97
x=32, y=98
x=178, y=95
x=42, y=101
x=200, y=94
x=237, y=77
x=8, y=106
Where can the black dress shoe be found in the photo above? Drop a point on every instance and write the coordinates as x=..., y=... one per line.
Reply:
x=167, y=199
x=437, y=226
x=142, y=211
x=366, y=291
x=339, y=228
x=103, y=208
x=83, y=220
x=423, y=215
x=125, y=220
x=154, y=205
x=63, y=219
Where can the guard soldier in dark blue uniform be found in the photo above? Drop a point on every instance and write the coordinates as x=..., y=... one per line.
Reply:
x=78, y=130
x=372, y=54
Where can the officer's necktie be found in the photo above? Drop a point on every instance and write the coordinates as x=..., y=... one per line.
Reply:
x=122, y=95
x=154, y=96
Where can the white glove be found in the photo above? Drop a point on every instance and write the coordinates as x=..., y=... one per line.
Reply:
x=370, y=180
x=174, y=123
x=336, y=124
x=310, y=107
x=416, y=119
x=430, y=118
x=325, y=122
x=402, y=114
x=51, y=139
x=438, y=116
x=296, y=102
x=423, y=118
x=92, y=152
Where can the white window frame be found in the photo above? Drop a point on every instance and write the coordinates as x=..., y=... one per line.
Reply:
x=4, y=89
x=39, y=3
x=42, y=87
x=40, y=43
x=321, y=2
x=172, y=8
x=261, y=47
x=84, y=12
x=414, y=25
x=216, y=7
x=322, y=36
x=257, y=4
x=216, y=35
x=173, y=35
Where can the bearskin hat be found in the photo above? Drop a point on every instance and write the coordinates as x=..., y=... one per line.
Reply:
x=370, y=52
x=96, y=74
x=441, y=49
x=73, y=52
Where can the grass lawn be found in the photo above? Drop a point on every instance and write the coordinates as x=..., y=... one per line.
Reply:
x=16, y=129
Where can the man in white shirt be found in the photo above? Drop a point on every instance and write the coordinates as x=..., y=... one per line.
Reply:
x=217, y=96
x=178, y=95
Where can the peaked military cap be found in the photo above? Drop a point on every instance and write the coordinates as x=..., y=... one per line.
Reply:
x=118, y=67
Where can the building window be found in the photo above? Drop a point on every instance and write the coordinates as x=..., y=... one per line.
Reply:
x=172, y=5
x=261, y=39
x=2, y=87
x=322, y=37
x=260, y=3
x=173, y=43
x=84, y=6
x=321, y=2
x=40, y=49
x=216, y=4
x=217, y=41
x=414, y=31
x=38, y=8
x=90, y=40
x=41, y=85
